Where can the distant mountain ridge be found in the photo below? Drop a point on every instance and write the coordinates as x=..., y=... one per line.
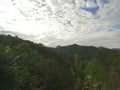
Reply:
x=118, y=49
x=87, y=52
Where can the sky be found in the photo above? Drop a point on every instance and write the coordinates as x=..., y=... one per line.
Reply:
x=63, y=22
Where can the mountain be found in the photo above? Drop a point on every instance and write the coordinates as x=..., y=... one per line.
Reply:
x=87, y=52
x=8, y=40
x=117, y=49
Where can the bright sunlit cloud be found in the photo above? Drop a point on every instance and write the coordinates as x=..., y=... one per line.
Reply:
x=63, y=22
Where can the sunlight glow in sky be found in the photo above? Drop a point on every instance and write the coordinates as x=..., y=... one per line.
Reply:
x=63, y=22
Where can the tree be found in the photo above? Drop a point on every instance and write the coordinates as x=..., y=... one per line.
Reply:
x=6, y=75
x=115, y=73
x=78, y=73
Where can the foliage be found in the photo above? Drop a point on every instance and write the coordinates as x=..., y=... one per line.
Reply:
x=25, y=65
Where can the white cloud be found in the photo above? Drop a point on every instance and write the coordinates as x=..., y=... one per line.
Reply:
x=90, y=4
x=55, y=22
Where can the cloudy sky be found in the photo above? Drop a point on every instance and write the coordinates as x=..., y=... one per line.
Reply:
x=63, y=22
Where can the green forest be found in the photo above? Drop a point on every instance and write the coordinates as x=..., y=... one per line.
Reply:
x=25, y=65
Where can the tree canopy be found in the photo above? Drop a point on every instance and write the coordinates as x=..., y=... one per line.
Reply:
x=25, y=65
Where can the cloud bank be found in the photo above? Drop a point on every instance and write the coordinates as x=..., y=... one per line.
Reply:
x=63, y=22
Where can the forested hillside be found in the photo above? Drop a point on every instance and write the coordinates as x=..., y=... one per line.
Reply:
x=25, y=65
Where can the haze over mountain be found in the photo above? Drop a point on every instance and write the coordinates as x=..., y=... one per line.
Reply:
x=63, y=22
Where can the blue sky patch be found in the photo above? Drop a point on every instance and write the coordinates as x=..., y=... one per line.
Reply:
x=92, y=10
x=105, y=1
x=115, y=27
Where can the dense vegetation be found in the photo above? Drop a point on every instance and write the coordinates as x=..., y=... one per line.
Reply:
x=25, y=65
